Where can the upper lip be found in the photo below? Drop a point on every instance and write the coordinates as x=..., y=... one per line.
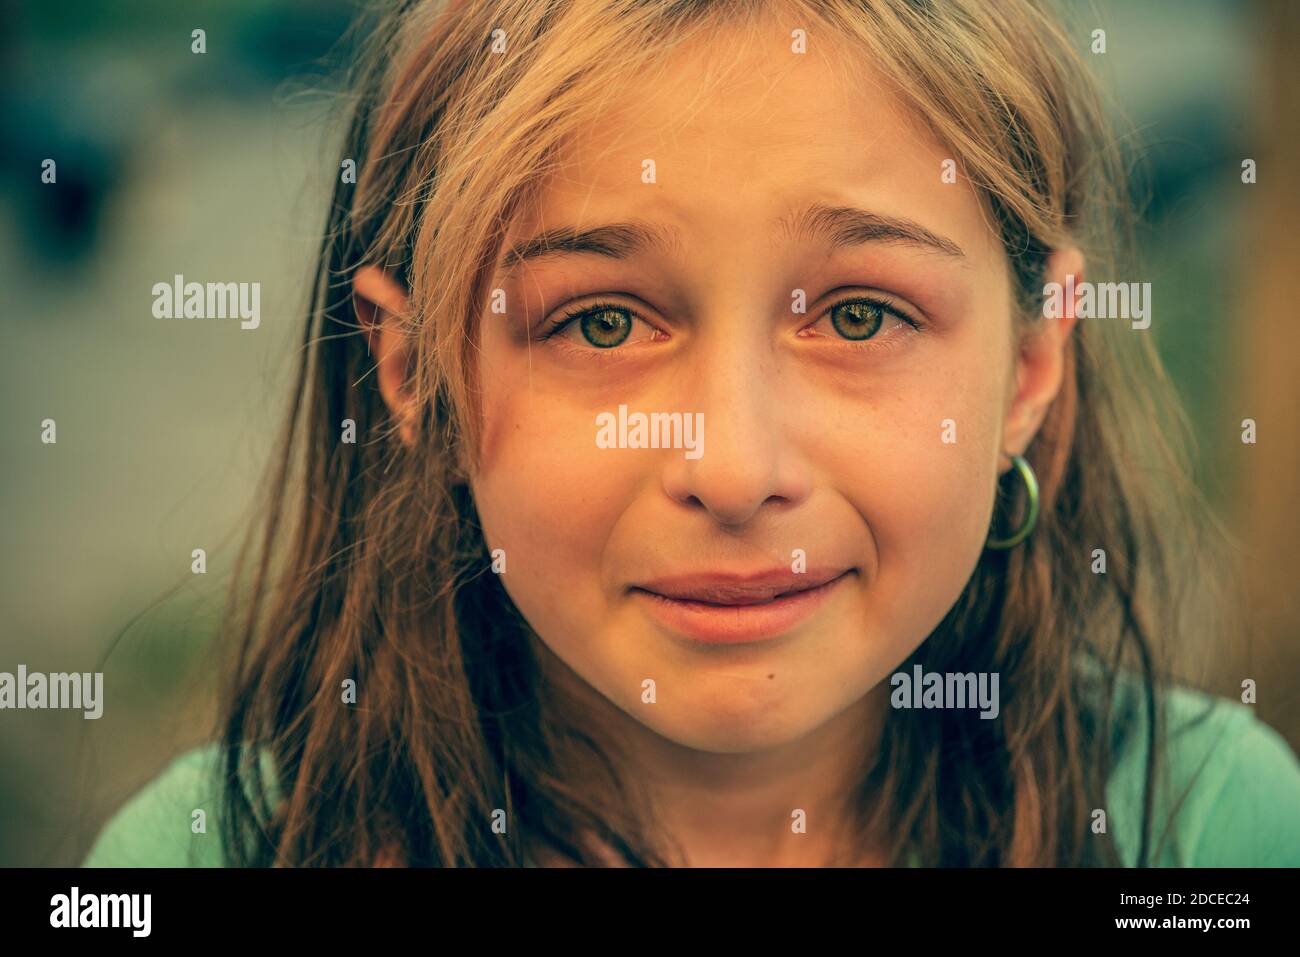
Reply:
x=739, y=589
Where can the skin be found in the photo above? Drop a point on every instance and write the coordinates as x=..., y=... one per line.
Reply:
x=813, y=441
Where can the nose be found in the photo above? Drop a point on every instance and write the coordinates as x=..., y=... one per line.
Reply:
x=749, y=457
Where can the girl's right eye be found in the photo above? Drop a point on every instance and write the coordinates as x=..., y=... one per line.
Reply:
x=602, y=326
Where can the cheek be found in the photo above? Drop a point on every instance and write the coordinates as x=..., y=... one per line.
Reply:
x=547, y=497
x=921, y=470
x=930, y=530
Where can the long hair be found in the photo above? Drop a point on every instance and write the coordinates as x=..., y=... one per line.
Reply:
x=369, y=567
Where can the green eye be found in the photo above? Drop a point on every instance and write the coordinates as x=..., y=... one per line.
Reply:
x=606, y=328
x=857, y=319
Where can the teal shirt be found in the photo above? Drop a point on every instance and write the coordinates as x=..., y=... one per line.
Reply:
x=1241, y=810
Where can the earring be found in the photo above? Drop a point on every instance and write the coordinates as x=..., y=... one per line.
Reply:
x=1031, y=511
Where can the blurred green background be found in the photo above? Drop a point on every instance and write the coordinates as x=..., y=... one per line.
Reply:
x=217, y=166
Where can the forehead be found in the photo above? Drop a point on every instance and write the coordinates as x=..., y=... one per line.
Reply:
x=740, y=132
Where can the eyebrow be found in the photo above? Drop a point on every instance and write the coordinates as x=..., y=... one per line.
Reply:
x=847, y=226
x=616, y=241
x=841, y=227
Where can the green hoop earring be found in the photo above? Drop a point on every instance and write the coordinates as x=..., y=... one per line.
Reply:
x=1031, y=512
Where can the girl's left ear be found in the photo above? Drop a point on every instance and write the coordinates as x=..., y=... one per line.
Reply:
x=381, y=303
x=1040, y=360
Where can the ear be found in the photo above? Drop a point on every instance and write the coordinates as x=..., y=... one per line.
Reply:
x=1040, y=360
x=381, y=303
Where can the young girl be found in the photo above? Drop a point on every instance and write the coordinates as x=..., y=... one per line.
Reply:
x=688, y=468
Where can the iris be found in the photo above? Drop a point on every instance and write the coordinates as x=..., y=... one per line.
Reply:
x=857, y=320
x=605, y=328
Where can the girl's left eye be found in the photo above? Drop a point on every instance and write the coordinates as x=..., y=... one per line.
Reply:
x=862, y=319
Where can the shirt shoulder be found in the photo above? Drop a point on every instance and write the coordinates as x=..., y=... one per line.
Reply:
x=1229, y=791
x=155, y=827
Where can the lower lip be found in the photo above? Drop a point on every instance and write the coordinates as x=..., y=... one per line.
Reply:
x=737, y=624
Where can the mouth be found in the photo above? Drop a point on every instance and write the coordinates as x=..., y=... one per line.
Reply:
x=735, y=609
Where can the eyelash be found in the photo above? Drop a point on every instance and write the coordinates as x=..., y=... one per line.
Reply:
x=872, y=343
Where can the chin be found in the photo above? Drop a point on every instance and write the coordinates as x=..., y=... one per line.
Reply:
x=734, y=740
x=737, y=725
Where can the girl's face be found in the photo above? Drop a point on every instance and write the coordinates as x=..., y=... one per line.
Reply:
x=781, y=263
